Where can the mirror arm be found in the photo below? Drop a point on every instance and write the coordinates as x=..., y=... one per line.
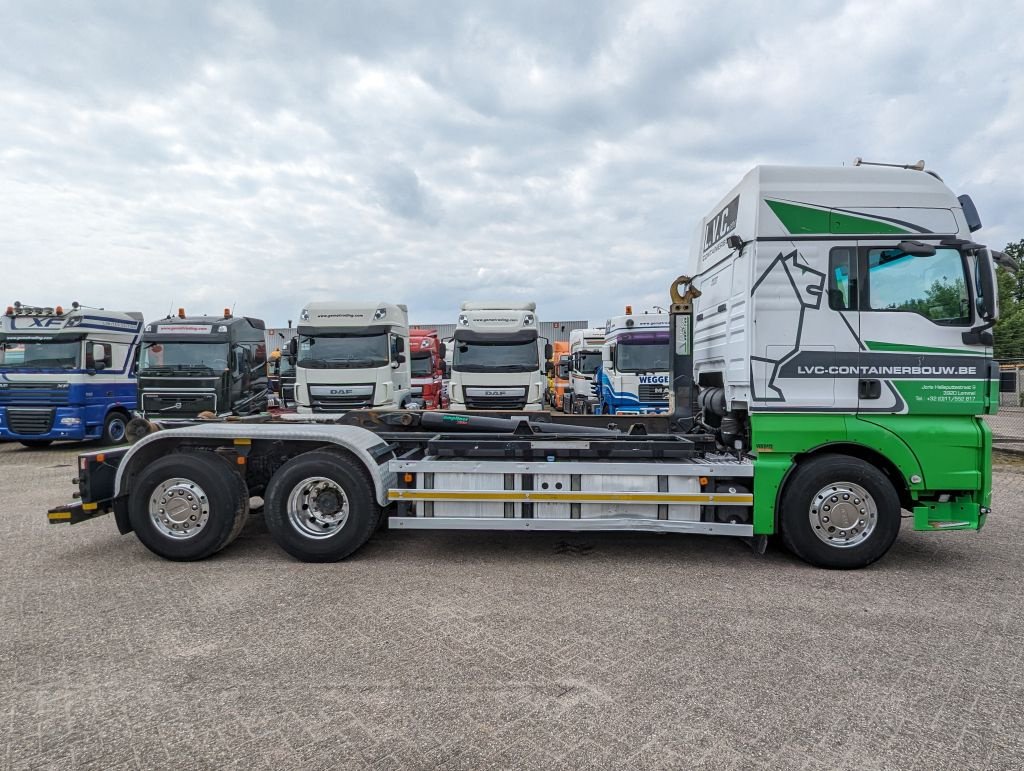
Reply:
x=979, y=335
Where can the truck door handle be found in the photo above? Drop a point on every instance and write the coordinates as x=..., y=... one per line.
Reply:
x=869, y=389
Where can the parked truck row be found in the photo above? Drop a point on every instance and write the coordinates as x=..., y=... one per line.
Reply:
x=824, y=365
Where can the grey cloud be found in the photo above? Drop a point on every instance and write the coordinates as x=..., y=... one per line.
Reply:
x=400, y=191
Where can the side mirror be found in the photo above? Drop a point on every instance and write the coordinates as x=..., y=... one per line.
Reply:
x=549, y=368
x=987, y=275
x=400, y=344
x=548, y=351
x=442, y=351
x=97, y=358
x=916, y=248
x=1008, y=381
x=293, y=347
x=400, y=358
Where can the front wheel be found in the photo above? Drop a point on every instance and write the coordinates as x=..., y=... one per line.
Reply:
x=115, y=428
x=839, y=512
x=320, y=507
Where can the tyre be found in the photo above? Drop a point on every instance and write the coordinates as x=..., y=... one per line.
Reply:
x=115, y=428
x=320, y=506
x=187, y=506
x=35, y=444
x=839, y=512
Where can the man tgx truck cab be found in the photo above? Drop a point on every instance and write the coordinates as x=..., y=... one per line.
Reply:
x=66, y=374
x=842, y=340
x=584, y=360
x=202, y=365
x=634, y=365
x=426, y=354
x=350, y=356
x=499, y=362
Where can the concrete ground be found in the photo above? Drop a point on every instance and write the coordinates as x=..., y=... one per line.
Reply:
x=540, y=651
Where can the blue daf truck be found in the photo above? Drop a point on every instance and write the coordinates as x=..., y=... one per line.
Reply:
x=67, y=374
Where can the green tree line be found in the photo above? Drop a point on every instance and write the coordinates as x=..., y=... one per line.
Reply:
x=1009, y=331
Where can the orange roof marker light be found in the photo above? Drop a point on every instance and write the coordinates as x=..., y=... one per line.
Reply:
x=181, y=313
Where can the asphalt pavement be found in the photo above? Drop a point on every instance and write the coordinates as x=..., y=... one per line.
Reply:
x=503, y=650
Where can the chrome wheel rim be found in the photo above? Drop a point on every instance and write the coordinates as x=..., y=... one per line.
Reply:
x=179, y=508
x=317, y=507
x=843, y=515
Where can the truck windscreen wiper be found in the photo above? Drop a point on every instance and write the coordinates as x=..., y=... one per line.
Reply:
x=355, y=363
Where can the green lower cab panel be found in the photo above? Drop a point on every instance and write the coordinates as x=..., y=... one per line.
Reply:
x=935, y=455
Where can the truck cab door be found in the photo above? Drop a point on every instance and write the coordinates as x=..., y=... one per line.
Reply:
x=914, y=309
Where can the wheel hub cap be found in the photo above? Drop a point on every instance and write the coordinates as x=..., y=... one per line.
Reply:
x=843, y=514
x=318, y=507
x=179, y=508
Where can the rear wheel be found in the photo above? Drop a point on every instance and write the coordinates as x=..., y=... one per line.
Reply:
x=320, y=507
x=839, y=512
x=187, y=506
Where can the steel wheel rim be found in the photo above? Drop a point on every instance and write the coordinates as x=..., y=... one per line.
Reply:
x=118, y=428
x=843, y=515
x=317, y=507
x=179, y=508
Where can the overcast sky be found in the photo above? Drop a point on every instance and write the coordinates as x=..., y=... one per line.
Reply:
x=164, y=154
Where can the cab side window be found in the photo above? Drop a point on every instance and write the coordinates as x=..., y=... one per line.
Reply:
x=842, y=278
x=934, y=286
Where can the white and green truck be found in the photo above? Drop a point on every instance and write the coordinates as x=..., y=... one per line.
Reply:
x=830, y=364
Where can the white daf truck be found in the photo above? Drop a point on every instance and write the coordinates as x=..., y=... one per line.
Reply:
x=634, y=378
x=584, y=360
x=830, y=360
x=351, y=356
x=499, y=362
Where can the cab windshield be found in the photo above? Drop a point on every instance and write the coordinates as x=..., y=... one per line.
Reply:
x=184, y=356
x=343, y=351
x=645, y=356
x=49, y=354
x=588, y=362
x=496, y=356
x=421, y=365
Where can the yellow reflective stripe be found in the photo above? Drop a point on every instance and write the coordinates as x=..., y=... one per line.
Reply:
x=568, y=496
x=59, y=515
x=243, y=441
x=90, y=506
